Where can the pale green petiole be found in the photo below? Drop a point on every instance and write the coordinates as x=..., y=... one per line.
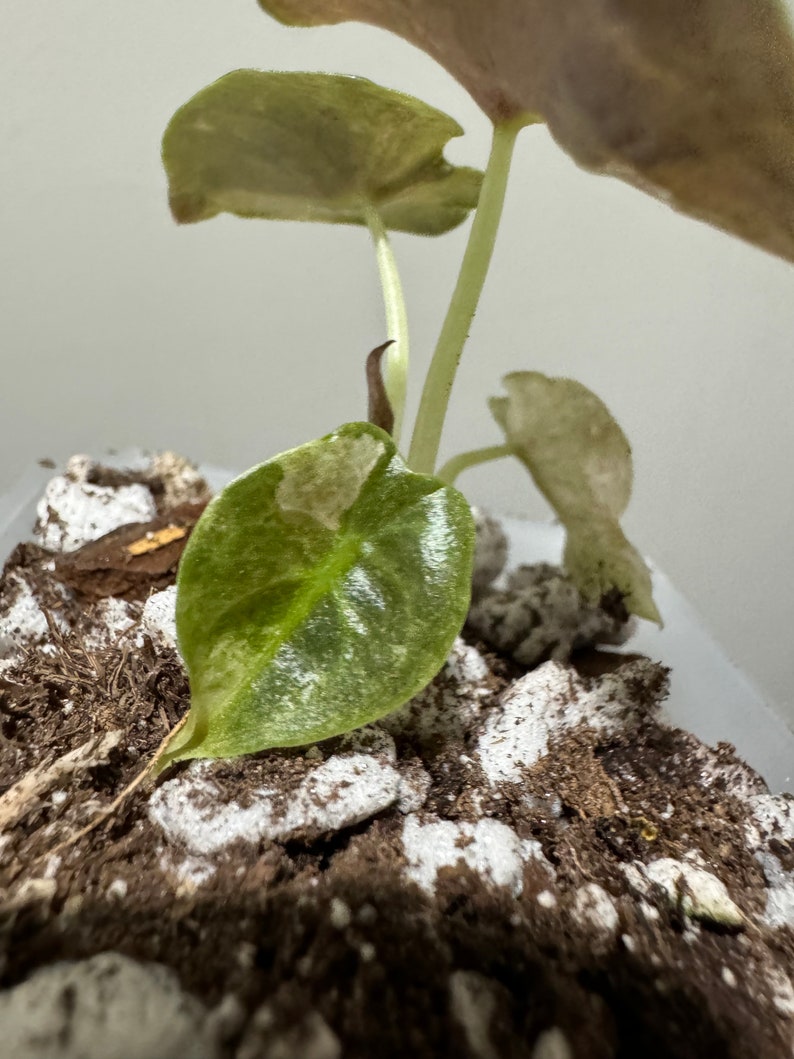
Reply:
x=479, y=250
x=397, y=355
x=462, y=462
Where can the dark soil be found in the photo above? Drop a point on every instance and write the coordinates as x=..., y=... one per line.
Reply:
x=261, y=927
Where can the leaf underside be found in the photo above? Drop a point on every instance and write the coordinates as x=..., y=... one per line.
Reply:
x=315, y=147
x=581, y=462
x=690, y=100
x=319, y=591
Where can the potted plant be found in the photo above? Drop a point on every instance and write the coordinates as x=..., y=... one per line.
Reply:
x=368, y=832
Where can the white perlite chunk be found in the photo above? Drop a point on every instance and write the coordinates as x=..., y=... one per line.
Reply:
x=773, y=819
x=540, y=613
x=490, y=848
x=71, y=513
x=345, y=790
x=371, y=739
x=782, y=991
x=97, y=1008
x=111, y=618
x=415, y=784
x=23, y=624
x=159, y=617
x=698, y=893
x=468, y=668
x=182, y=483
x=311, y=1038
x=594, y=906
x=117, y=890
x=734, y=776
x=451, y=705
x=188, y=873
x=729, y=978
x=472, y=1003
x=552, y=1044
x=545, y=703
x=340, y=915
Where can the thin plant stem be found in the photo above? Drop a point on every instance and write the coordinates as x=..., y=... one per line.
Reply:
x=458, y=464
x=397, y=355
x=429, y=425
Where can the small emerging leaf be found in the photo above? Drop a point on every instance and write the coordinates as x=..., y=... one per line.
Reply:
x=379, y=409
x=581, y=462
x=319, y=592
x=690, y=100
x=315, y=147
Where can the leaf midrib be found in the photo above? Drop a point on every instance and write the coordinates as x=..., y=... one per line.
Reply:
x=340, y=560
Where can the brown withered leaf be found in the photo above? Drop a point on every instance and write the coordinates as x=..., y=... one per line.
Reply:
x=691, y=100
x=379, y=409
x=132, y=561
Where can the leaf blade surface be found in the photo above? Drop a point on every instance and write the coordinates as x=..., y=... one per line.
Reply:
x=315, y=147
x=319, y=592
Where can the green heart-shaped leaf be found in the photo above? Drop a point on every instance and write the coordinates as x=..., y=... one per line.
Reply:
x=318, y=592
x=691, y=100
x=581, y=462
x=315, y=147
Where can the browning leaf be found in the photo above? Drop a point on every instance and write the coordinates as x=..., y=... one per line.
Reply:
x=690, y=100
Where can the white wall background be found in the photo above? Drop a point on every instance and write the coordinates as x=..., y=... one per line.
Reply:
x=232, y=340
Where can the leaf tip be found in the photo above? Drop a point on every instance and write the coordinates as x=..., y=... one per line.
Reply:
x=187, y=208
x=379, y=410
x=638, y=596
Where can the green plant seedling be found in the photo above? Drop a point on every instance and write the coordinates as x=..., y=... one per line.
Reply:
x=325, y=587
x=314, y=147
x=304, y=597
